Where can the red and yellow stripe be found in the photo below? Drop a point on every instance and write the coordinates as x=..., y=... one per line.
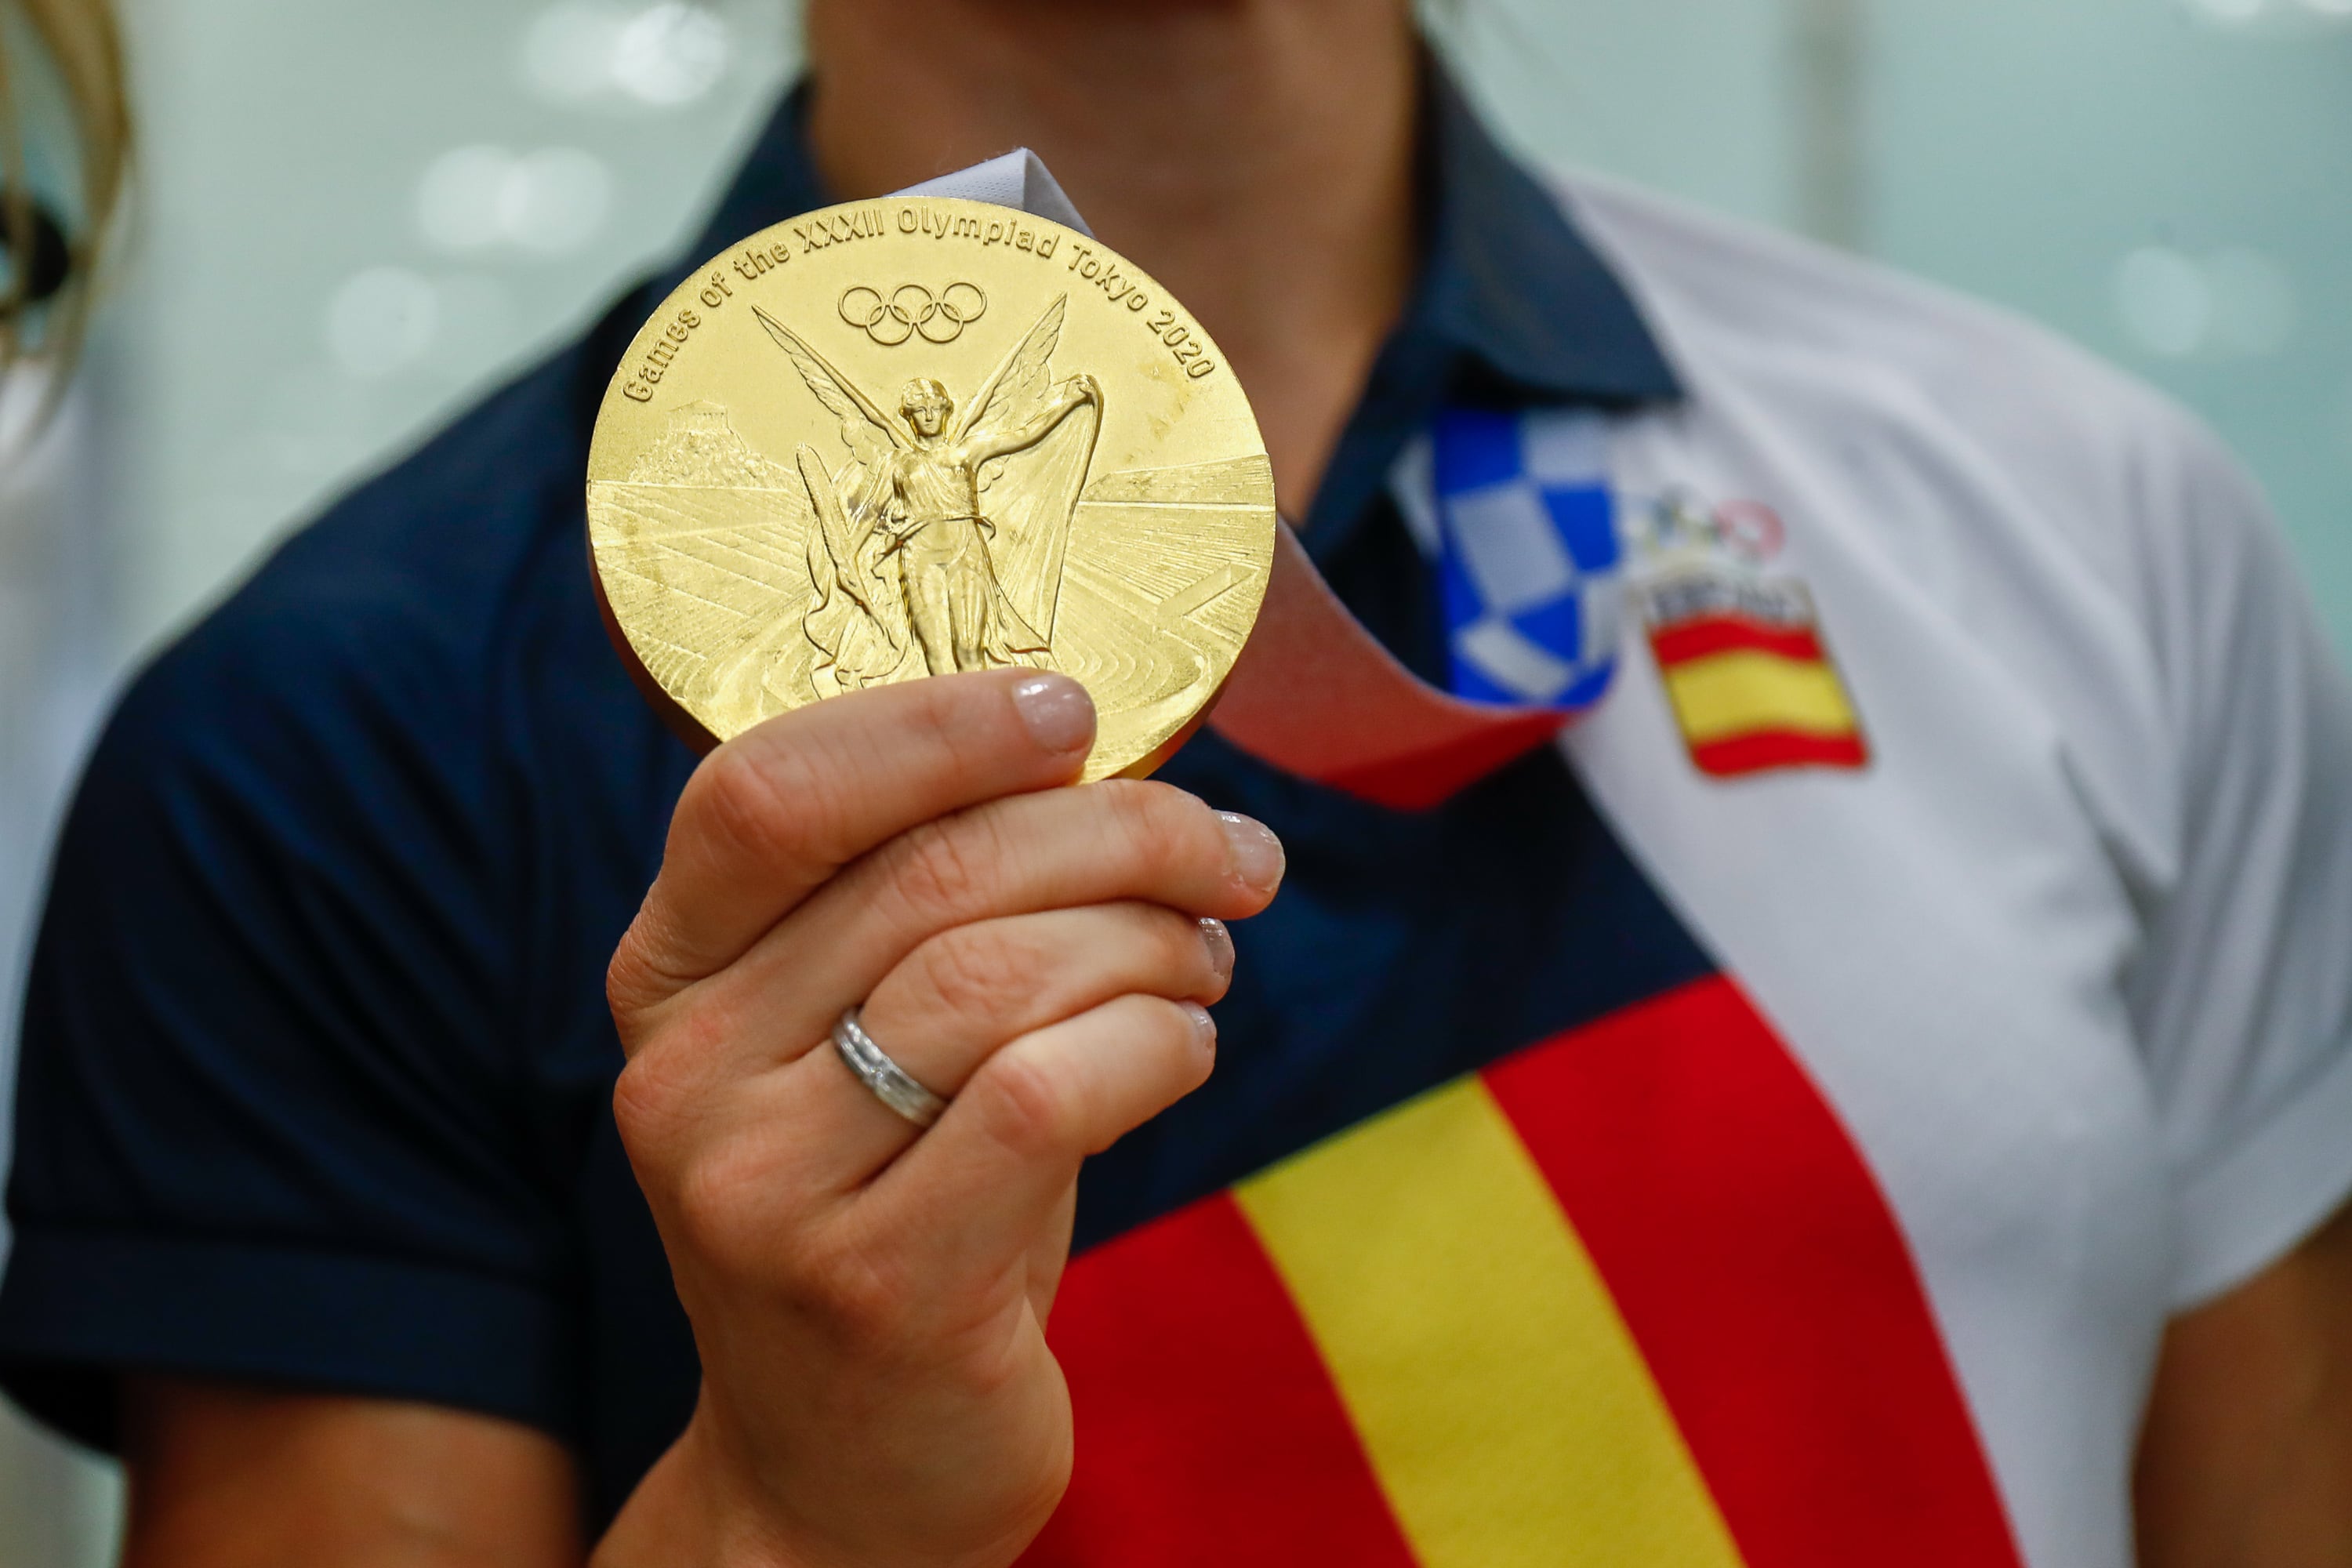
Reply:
x=1751, y=696
x=1628, y=1298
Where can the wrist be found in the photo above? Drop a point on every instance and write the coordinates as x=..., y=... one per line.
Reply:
x=695, y=1510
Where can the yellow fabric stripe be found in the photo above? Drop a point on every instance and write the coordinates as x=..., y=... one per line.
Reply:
x=1746, y=689
x=1505, y=1407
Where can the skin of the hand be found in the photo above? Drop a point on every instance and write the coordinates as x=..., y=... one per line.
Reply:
x=868, y=1302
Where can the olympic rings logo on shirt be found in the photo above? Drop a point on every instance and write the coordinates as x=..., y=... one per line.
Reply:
x=1679, y=522
x=911, y=310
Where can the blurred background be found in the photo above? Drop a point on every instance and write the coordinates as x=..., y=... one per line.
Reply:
x=354, y=218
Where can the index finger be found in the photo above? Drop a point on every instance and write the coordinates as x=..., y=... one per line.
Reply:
x=773, y=813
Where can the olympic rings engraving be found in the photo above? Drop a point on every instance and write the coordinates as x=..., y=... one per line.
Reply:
x=912, y=311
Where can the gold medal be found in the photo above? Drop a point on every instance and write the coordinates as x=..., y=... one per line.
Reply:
x=913, y=435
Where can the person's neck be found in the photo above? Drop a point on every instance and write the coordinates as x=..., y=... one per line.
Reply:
x=1257, y=155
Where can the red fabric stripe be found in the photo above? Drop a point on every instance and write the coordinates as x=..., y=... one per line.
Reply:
x=1208, y=1431
x=1727, y=634
x=1762, y=749
x=1425, y=779
x=1763, y=1275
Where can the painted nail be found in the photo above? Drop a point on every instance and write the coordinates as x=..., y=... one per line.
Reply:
x=1059, y=713
x=1220, y=948
x=1202, y=1025
x=1257, y=857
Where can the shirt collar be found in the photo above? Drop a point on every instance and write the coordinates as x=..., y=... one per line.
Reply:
x=1513, y=306
x=1508, y=279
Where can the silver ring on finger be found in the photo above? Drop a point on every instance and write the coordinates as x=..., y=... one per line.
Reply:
x=891, y=1084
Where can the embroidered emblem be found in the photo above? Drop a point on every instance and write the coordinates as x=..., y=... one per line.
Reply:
x=1527, y=554
x=1747, y=671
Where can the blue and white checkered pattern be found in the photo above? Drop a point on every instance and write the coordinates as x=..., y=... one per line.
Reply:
x=1526, y=535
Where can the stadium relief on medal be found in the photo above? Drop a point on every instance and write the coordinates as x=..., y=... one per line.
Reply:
x=921, y=517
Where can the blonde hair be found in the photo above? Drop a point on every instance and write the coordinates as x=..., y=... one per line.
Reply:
x=74, y=44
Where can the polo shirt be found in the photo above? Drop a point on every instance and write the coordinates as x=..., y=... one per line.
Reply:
x=1771, y=1126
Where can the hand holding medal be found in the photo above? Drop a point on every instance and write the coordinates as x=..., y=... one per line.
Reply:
x=882, y=442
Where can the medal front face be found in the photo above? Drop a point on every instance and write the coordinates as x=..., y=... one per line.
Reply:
x=916, y=435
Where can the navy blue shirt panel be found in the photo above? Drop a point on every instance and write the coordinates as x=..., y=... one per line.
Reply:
x=316, y=1071
x=320, y=975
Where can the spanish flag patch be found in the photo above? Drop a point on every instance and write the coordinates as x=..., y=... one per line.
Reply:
x=1746, y=674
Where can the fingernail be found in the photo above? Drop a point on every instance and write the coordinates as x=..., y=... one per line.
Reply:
x=1220, y=948
x=1059, y=713
x=1258, y=857
x=1202, y=1025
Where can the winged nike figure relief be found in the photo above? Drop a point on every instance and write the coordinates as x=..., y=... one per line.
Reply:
x=939, y=545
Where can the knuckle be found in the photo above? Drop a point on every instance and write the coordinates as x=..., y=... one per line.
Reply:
x=771, y=802
x=726, y=1206
x=716, y=1194
x=976, y=971
x=647, y=973
x=641, y=1110
x=1024, y=1109
x=842, y=1283
x=942, y=867
x=733, y=799
x=937, y=725
x=1157, y=825
x=633, y=980
x=656, y=1097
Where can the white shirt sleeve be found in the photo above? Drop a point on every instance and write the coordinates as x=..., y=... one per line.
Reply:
x=2242, y=994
